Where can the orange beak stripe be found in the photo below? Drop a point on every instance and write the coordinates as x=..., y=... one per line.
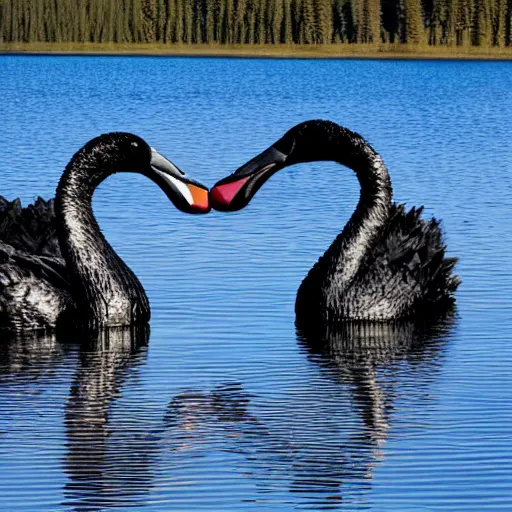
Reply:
x=200, y=197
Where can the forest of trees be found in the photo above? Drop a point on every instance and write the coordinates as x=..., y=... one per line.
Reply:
x=433, y=22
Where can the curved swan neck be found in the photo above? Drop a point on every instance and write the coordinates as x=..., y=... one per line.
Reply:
x=78, y=228
x=324, y=140
x=320, y=140
x=101, y=283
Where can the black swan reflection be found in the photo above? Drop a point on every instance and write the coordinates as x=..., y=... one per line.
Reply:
x=35, y=358
x=354, y=354
x=386, y=263
x=56, y=267
x=320, y=437
x=323, y=440
x=109, y=457
x=110, y=460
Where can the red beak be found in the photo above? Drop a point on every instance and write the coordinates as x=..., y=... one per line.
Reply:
x=221, y=196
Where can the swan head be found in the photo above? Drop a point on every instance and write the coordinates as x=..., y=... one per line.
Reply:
x=124, y=152
x=235, y=191
x=187, y=195
x=306, y=142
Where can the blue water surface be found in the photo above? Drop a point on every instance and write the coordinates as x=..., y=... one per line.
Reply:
x=227, y=407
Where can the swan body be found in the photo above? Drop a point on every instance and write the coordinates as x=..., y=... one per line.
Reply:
x=34, y=290
x=386, y=264
x=56, y=267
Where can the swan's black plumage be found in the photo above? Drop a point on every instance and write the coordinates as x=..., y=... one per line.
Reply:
x=387, y=263
x=34, y=290
x=32, y=229
x=56, y=267
x=405, y=274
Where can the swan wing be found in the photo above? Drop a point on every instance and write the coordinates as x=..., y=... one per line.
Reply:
x=32, y=229
x=407, y=273
x=33, y=289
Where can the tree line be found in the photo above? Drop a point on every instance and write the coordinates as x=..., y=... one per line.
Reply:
x=433, y=22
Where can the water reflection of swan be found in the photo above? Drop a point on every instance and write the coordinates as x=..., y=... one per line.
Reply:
x=30, y=356
x=291, y=450
x=88, y=282
x=323, y=441
x=320, y=440
x=355, y=353
x=386, y=264
x=107, y=465
x=110, y=457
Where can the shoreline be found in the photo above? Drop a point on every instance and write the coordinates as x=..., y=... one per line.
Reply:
x=331, y=51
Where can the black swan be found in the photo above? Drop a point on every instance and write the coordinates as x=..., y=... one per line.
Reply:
x=386, y=264
x=56, y=268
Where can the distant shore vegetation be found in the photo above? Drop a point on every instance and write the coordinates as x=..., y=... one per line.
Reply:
x=377, y=24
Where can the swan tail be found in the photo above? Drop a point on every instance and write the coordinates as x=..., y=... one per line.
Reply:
x=421, y=248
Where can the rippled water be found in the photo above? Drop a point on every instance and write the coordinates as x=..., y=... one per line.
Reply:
x=224, y=405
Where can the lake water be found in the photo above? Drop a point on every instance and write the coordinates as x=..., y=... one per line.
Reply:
x=227, y=407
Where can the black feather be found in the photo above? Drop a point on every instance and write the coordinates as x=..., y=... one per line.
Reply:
x=32, y=229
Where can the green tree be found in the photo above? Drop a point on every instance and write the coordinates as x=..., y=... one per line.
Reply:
x=188, y=20
x=277, y=15
x=508, y=24
x=481, y=33
x=287, y=33
x=308, y=16
x=498, y=13
x=178, y=21
x=460, y=21
x=219, y=31
x=324, y=20
x=367, y=18
x=250, y=21
x=414, y=32
x=343, y=25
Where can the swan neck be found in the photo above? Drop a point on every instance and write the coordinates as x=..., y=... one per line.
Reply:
x=330, y=142
x=342, y=261
x=371, y=213
x=104, y=289
x=352, y=151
